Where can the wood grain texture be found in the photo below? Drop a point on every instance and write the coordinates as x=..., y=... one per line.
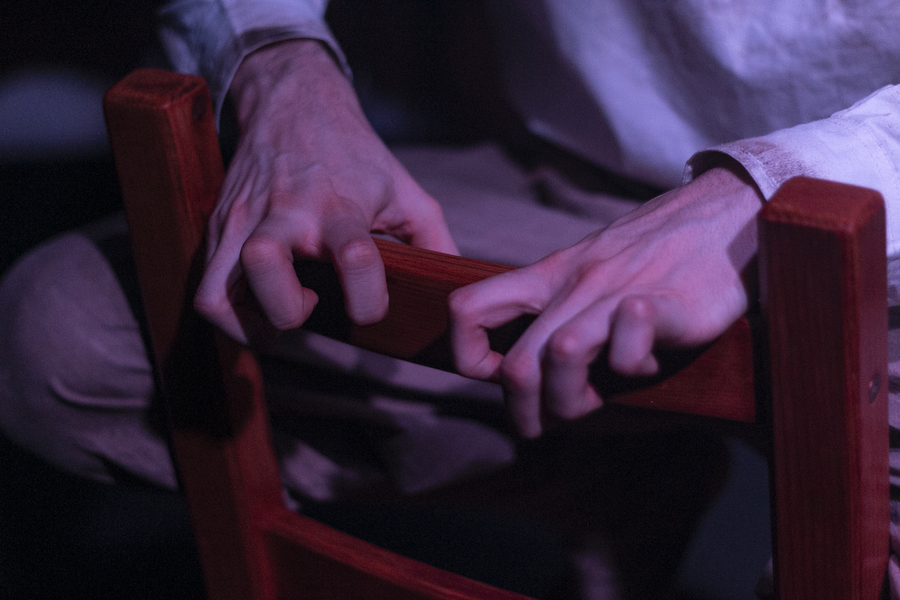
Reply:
x=827, y=312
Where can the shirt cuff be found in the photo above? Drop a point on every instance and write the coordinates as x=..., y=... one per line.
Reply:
x=210, y=38
x=858, y=146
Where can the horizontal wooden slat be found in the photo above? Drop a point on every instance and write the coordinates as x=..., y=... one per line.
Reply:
x=713, y=381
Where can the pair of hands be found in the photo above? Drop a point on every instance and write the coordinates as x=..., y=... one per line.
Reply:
x=311, y=179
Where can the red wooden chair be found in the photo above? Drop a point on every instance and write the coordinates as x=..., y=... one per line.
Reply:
x=822, y=382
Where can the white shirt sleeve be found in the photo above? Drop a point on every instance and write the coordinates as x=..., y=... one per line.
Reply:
x=859, y=146
x=210, y=37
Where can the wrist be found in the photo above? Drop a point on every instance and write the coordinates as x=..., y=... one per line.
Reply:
x=283, y=73
x=729, y=173
x=739, y=195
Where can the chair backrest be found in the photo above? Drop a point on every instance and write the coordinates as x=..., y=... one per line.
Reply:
x=817, y=373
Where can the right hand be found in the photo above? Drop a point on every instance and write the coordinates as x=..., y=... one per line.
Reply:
x=671, y=273
x=310, y=179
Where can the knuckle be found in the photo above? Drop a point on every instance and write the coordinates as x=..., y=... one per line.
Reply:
x=430, y=208
x=591, y=275
x=229, y=218
x=235, y=211
x=259, y=251
x=357, y=183
x=550, y=265
x=636, y=308
x=566, y=346
x=519, y=373
x=358, y=254
x=471, y=366
x=209, y=305
x=476, y=371
x=462, y=305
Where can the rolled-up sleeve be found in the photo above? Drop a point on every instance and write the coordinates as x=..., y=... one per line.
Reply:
x=210, y=37
x=859, y=146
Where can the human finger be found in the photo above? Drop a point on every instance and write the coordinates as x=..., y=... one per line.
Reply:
x=525, y=368
x=426, y=227
x=224, y=298
x=548, y=347
x=267, y=259
x=477, y=308
x=235, y=215
x=358, y=263
x=222, y=291
x=566, y=390
x=638, y=324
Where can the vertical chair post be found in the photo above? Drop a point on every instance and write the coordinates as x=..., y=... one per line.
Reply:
x=824, y=296
x=163, y=136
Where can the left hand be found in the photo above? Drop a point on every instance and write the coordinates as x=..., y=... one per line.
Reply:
x=310, y=180
x=670, y=273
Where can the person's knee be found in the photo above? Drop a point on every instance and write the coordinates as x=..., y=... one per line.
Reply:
x=70, y=350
